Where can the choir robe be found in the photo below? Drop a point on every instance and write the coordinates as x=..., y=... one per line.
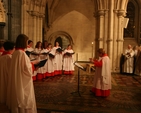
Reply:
x=51, y=64
x=5, y=61
x=22, y=90
x=42, y=70
x=102, y=77
x=30, y=49
x=138, y=63
x=68, y=66
x=44, y=57
x=128, y=65
x=58, y=62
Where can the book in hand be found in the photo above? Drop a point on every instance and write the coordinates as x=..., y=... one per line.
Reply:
x=45, y=53
x=59, y=50
x=69, y=54
x=41, y=63
x=51, y=55
x=34, y=53
x=28, y=53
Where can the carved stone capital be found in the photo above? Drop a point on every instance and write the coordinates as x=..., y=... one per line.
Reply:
x=33, y=13
x=121, y=13
x=119, y=40
x=100, y=13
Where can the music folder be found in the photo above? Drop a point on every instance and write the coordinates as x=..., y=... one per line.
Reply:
x=59, y=50
x=31, y=52
x=45, y=53
x=69, y=54
x=28, y=53
x=41, y=63
x=79, y=66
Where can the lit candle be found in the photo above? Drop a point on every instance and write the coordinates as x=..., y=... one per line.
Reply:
x=92, y=50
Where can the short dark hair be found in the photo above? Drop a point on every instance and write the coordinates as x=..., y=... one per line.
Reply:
x=29, y=41
x=9, y=45
x=21, y=41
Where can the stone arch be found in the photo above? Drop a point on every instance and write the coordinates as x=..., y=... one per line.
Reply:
x=63, y=35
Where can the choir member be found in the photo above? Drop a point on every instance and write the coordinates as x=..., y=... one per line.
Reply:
x=22, y=90
x=58, y=59
x=128, y=60
x=39, y=50
x=102, y=78
x=68, y=60
x=45, y=44
x=51, y=61
x=138, y=62
x=5, y=61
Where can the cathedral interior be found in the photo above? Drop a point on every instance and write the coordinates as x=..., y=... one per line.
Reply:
x=87, y=25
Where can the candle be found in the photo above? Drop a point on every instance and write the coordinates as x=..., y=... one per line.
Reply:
x=92, y=50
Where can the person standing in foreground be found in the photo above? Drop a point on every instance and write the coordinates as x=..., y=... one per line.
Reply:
x=22, y=89
x=5, y=61
x=102, y=77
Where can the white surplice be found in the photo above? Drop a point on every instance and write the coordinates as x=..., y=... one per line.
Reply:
x=68, y=61
x=5, y=61
x=129, y=61
x=51, y=63
x=58, y=61
x=102, y=78
x=21, y=84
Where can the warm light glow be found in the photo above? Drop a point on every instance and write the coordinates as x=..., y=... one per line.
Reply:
x=92, y=43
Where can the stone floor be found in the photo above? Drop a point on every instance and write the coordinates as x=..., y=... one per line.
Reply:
x=63, y=94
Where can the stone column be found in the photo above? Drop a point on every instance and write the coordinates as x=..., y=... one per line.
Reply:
x=101, y=14
x=115, y=34
x=120, y=14
x=34, y=27
x=24, y=26
x=41, y=26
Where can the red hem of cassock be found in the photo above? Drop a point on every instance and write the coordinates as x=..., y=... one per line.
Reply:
x=49, y=74
x=40, y=76
x=58, y=72
x=68, y=72
x=34, y=78
x=99, y=92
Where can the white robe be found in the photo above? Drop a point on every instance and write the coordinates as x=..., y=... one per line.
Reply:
x=41, y=70
x=68, y=61
x=21, y=84
x=5, y=61
x=102, y=78
x=51, y=63
x=58, y=60
x=129, y=61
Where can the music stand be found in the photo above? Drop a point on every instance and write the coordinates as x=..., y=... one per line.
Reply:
x=82, y=68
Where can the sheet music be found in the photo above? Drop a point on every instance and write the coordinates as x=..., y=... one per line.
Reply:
x=78, y=65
